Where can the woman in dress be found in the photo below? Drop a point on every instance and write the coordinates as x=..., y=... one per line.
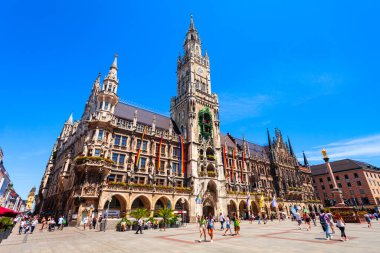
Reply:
x=237, y=224
x=210, y=227
x=228, y=225
x=202, y=228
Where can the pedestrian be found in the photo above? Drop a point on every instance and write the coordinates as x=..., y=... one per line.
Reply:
x=331, y=222
x=237, y=225
x=313, y=218
x=60, y=222
x=308, y=220
x=221, y=220
x=85, y=220
x=27, y=226
x=259, y=219
x=368, y=219
x=325, y=223
x=34, y=224
x=202, y=228
x=94, y=220
x=342, y=226
x=322, y=220
x=21, y=227
x=297, y=216
x=43, y=221
x=228, y=225
x=210, y=227
x=139, y=226
x=376, y=216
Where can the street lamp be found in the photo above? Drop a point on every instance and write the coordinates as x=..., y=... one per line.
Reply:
x=183, y=207
x=108, y=209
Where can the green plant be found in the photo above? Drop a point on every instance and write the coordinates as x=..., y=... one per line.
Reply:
x=6, y=223
x=140, y=213
x=165, y=213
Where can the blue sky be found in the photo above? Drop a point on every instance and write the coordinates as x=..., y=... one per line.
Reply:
x=309, y=68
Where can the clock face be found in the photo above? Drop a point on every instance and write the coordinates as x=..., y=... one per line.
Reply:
x=199, y=70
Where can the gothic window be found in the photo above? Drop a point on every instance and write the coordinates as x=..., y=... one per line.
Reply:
x=97, y=152
x=106, y=105
x=117, y=140
x=123, y=141
x=197, y=85
x=203, y=87
x=100, y=135
x=101, y=105
x=205, y=122
x=142, y=163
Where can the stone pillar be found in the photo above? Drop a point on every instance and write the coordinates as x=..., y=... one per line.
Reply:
x=337, y=193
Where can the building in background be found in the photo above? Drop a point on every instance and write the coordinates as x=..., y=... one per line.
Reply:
x=121, y=157
x=30, y=200
x=359, y=182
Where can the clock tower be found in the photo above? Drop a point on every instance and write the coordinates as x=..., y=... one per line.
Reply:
x=195, y=111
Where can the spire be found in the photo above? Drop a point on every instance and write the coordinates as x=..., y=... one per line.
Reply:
x=269, y=141
x=112, y=73
x=114, y=64
x=206, y=54
x=305, y=162
x=290, y=147
x=70, y=119
x=191, y=23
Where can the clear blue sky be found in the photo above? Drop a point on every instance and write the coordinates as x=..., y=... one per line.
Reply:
x=309, y=68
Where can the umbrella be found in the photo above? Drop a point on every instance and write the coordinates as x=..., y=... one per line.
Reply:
x=7, y=212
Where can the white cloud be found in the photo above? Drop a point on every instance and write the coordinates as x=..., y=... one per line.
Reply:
x=359, y=148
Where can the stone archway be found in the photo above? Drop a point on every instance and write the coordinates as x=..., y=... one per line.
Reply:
x=141, y=202
x=231, y=208
x=210, y=199
x=243, y=209
x=162, y=202
x=116, y=207
x=208, y=207
x=182, y=208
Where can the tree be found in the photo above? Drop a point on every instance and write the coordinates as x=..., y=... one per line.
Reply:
x=140, y=213
x=165, y=212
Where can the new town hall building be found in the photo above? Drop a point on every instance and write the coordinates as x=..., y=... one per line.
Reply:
x=137, y=158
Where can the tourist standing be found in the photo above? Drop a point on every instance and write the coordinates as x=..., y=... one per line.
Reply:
x=221, y=220
x=342, y=226
x=43, y=221
x=210, y=227
x=297, y=216
x=202, y=228
x=228, y=225
x=237, y=225
x=34, y=224
x=325, y=223
x=60, y=222
x=94, y=220
x=139, y=226
x=85, y=220
x=368, y=219
x=313, y=218
x=258, y=219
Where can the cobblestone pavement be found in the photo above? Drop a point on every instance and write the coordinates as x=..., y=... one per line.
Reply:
x=272, y=237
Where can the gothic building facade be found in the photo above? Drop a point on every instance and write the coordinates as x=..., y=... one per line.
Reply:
x=119, y=157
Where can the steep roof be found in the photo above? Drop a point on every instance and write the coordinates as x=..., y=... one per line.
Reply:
x=341, y=165
x=126, y=111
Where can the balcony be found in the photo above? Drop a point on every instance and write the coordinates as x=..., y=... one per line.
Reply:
x=147, y=187
x=94, y=161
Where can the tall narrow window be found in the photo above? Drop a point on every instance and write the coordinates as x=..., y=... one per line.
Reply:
x=114, y=157
x=123, y=141
x=142, y=162
x=106, y=105
x=121, y=159
x=117, y=139
x=100, y=135
x=97, y=152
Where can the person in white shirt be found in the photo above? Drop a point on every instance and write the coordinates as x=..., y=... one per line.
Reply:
x=139, y=226
x=22, y=225
x=60, y=223
x=221, y=220
x=34, y=224
x=85, y=219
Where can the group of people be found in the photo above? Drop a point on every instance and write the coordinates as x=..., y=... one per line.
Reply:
x=208, y=224
x=91, y=222
x=29, y=223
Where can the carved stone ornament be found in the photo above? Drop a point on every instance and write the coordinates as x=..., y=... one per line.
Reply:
x=89, y=190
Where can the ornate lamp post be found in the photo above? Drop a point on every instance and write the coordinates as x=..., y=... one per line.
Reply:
x=337, y=193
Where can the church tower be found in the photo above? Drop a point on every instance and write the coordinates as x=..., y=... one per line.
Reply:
x=195, y=111
x=30, y=200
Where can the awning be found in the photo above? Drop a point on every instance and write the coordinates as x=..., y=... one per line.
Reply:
x=7, y=212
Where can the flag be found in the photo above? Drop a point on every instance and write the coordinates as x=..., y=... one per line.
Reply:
x=159, y=153
x=233, y=164
x=198, y=199
x=182, y=154
x=137, y=160
x=274, y=202
x=225, y=164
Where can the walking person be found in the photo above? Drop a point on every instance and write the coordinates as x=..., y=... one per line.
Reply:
x=313, y=218
x=210, y=227
x=34, y=224
x=342, y=226
x=228, y=225
x=265, y=219
x=331, y=222
x=202, y=228
x=221, y=220
x=325, y=223
x=139, y=226
x=60, y=223
x=237, y=225
x=308, y=220
x=21, y=227
x=297, y=216
x=94, y=220
x=368, y=220
x=258, y=219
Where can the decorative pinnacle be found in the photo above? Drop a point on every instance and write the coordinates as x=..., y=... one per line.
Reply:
x=324, y=153
x=191, y=22
x=114, y=64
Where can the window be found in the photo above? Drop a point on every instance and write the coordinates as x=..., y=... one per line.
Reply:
x=356, y=175
x=346, y=176
x=331, y=186
x=352, y=192
x=101, y=105
x=123, y=141
x=142, y=162
x=114, y=157
x=144, y=145
x=349, y=184
x=325, y=194
x=362, y=191
x=359, y=183
x=119, y=178
x=175, y=151
x=328, y=179
x=321, y=180
x=174, y=167
x=97, y=152
x=337, y=178
x=121, y=159
x=339, y=185
x=111, y=177
x=107, y=104
x=377, y=190
x=100, y=135
x=313, y=181
x=117, y=140
x=323, y=187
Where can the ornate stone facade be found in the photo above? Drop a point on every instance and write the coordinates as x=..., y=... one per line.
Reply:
x=136, y=158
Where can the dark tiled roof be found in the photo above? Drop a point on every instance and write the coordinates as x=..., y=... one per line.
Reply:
x=341, y=165
x=126, y=111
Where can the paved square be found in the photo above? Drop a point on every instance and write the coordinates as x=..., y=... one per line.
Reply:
x=272, y=237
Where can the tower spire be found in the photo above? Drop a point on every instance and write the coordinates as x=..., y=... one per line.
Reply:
x=305, y=162
x=70, y=119
x=191, y=22
x=112, y=73
x=290, y=147
x=269, y=140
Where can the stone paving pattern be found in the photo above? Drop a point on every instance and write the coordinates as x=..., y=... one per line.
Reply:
x=271, y=237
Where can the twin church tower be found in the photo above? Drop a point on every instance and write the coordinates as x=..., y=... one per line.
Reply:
x=119, y=157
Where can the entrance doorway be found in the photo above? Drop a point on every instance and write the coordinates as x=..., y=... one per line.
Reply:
x=208, y=210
